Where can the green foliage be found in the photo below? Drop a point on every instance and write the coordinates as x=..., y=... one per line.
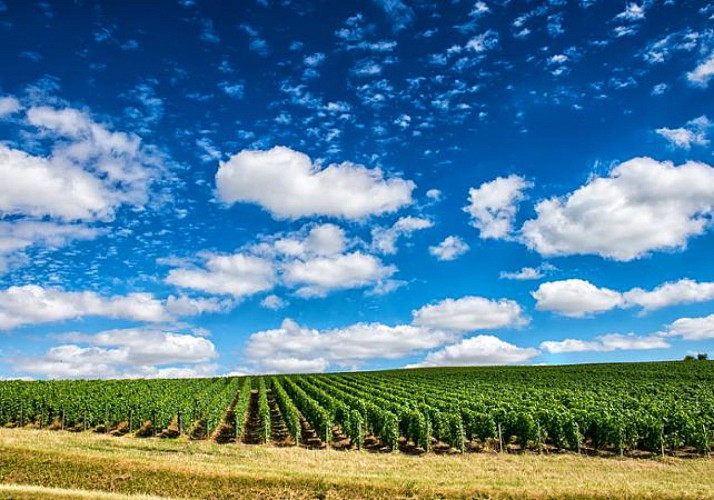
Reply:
x=619, y=407
x=263, y=411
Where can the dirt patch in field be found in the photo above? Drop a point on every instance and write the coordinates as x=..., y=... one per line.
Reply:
x=172, y=431
x=146, y=430
x=121, y=429
x=280, y=435
x=198, y=430
x=310, y=438
x=251, y=431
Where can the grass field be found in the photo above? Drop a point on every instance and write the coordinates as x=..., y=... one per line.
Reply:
x=45, y=464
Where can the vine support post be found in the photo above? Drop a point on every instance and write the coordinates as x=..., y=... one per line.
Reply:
x=500, y=438
x=706, y=440
x=359, y=435
x=661, y=440
x=178, y=421
x=62, y=422
x=540, y=440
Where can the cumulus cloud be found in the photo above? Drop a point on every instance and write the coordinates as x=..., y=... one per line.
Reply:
x=399, y=13
x=493, y=205
x=90, y=171
x=318, y=276
x=684, y=291
x=643, y=205
x=470, y=314
x=578, y=298
x=8, y=106
x=528, y=273
x=273, y=302
x=693, y=328
x=36, y=187
x=85, y=173
x=703, y=72
x=296, y=348
x=606, y=343
x=33, y=304
x=384, y=240
x=290, y=186
x=312, y=261
x=17, y=236
x=125, y=353
x=434, y=194
x=451, y=248
x=239, y=275
x=694, y=132
x=575, y=298
x=632, y=12
x=479, y=350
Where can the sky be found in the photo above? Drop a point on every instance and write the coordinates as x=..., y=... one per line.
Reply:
x=197, y=188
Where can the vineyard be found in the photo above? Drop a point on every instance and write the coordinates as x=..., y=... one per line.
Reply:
x=619, y=409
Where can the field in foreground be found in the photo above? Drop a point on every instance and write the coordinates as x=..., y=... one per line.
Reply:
x=40, y=464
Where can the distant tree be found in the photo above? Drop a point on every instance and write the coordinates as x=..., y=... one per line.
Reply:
x=702, y=356
x=688, y=357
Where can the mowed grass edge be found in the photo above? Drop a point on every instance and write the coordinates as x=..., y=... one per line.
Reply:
x=182, y=469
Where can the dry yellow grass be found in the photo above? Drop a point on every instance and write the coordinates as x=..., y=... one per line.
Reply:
x=205, y=470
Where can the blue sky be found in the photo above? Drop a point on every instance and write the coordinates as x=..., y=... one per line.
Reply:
x=188, y=189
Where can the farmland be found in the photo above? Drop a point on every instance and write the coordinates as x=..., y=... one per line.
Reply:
x=610, y=409
x=580, y=431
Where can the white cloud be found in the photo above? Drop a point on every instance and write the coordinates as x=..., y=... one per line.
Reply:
x=37, y=187
x=313, y=261
x=16, y=236
x=703, y=72
x=126, y=353
x=293, y=365
x=693, y=328
x=470, y=314
x=273, y=302
x=684, y=291
x=494, y=204
x=295, y=348
x=86, y=174
x=575, y=298
x=479, y=350
x=239, y=275
x=641, y=206
x=451, y=248
x=290, y=186
x=632, y=12
x=192, y=306
x=606, y=343
x=528, y=273
x=384, y=240
x=118, y=161
x=434, y=194
x=693, y=133
x=318, y=276
x=483, y=42
x=400, y=14
x=33, y=304
x=8, y=106
x=320, y=240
